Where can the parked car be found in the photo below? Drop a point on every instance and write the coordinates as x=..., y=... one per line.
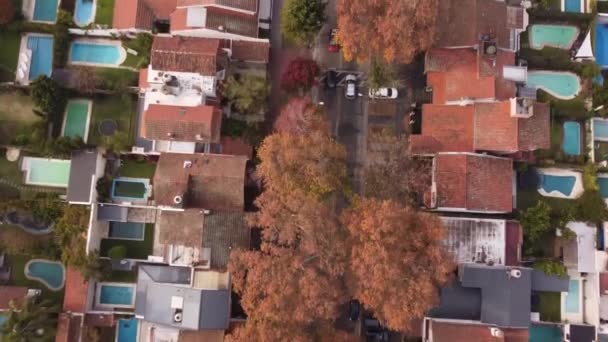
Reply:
x=350, y=90
x=330, y=79
x=333, y=41
x=383, y=93
x=354, y=309
x=374, y=331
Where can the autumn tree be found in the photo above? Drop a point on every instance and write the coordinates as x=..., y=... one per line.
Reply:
x=301, y=20
x=300, y=116
x=397, y=259
x=381, y=74
x=7, y=11
x=300, y=74
x=393, y=30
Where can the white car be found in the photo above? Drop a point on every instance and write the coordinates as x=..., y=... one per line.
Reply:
x=350, y=91
x=383, y=93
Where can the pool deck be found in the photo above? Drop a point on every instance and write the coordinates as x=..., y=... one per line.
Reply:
x=577, y=190
x=551, y=92
x=25, y=58
x=88, y=124
x=93, y=14
x=55, y=289
x=544, y=45
x=27, y=7
x=99, y=41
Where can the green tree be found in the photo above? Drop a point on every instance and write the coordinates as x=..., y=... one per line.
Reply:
x=30, y=322
x=381, y=74
x=301, y=20
x=70, y=235
x=92, y=267
x=117, y=252
x=591, y=207
x=61, y=38
x=590, y=178
x=143, y=45
x=551, y=268
x=536, y=221
x=49, y=96
x=248, y=94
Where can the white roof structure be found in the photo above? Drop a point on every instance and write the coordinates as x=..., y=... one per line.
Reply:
x=472, y=240
x=579, y=254
x=585, y=51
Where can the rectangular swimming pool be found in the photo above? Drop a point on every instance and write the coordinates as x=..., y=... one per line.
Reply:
x=116, y=294
x=600, y=129
x=545, y=333
x=46, y=172
x=127, y=230
x=602, y=183
x=126, y=330
x=558, y=36
x=45, y=10
x=129, y=189
x=76, y=120
x=573, y=303
x=572, y=6
x=83, y=12
x=572, y=138
x=42, y=55
x=108, y=54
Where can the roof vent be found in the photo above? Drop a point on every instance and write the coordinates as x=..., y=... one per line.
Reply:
x=515, y=273
x=187, y=164
x=495, y=332
x=177, y=317
x=177, y=199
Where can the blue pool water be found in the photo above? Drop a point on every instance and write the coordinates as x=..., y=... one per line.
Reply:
x=572, y=297
x=572, y=138
x=545, y=333
x=48, y=272
x=601, y=44
x=42, y=56
x=572, y=6
x=564, y=85
x=602, y=182
x=126, y=230
x=2, y=319
x=116, y=294
x=600, y=129
x=95, y=53
x=563, y=184
x=83, y=13
x=45, y=10
x=559, y=36
x=127, y=330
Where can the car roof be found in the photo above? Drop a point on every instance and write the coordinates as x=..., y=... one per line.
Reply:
x=350, y=77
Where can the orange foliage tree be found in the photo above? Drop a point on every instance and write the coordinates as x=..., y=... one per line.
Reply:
x=397, y=260
x=394, y=30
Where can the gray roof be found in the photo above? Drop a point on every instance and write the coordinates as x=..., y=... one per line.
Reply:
x=543, y=282
x=582, y=333
x=112, y=213
x=602, y=338
x=158, y=286
x=223, y=231
x=458, y=302
x=83, y=168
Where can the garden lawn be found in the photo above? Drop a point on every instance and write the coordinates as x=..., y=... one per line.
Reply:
x=105, y=12
x=9, y=170
x=129, y=189
x=529, y=198
x=135, y=249
x=17, y=241
x=120, y=108
x=550, y=306
x=16, y=115
x=10, y=42
x=137, y=169
x=17, y=263
x=117, y=78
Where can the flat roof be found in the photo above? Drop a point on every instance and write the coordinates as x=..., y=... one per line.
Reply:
x=472, y=240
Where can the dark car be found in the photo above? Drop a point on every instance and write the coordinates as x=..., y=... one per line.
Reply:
x=374, y=331
x=354, y=310
x=330, y=79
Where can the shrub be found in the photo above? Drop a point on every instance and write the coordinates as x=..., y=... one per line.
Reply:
x=50, y=97
x=300, y=74
x=103, y=189
x=380, y=74
x=117, y=252
x=528, y=179
x=61, y=39
x=535, y=221
x=301, y=20
x=143, y=45
x=589, y=178
x=591, y=207
x=248, y=94
x=551, y=268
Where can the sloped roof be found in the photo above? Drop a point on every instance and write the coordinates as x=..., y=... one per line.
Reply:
x=195, y=124
x=140, y=14
x=76, y=289
x=184, y=228
x=535, y=132
x=245, y=5
x=451, y=126
x=185, y=54
x=474, y=182
x=223, y=232
x=215, y=18
x=250, y=51
x=495, y=128
x=68, y=328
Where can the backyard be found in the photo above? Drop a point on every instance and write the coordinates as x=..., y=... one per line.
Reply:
x=135, y=249
x=549, y=306
x=105, y=12
x=137, y=169
x=16, y=115
x=10, y=42
x=120, y=109
x=17, y=263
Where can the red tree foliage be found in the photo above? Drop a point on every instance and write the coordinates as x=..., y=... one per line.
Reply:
x=300, y=116
x=7, y=11
x=300, y=74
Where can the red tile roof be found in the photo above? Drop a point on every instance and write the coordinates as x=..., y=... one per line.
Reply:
x=441, y=331
x=495, y=128
x=474, y=182
x=76, y=290
x=185, y=54
x=143, y=78
x=68, y=328
x=212, y=181
x=514, y=240
x=245, y=5
x=250, y=51
x=140, y=14
x=194, y=124
x=451, y=126
x=535, y=132
x=236, y=146
x=12, y=293
x=215, y=18
x=604, y=283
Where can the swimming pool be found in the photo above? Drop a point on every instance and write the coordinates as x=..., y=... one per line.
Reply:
x=42, y=55
x=561, y=184
x=98, y=53
x=602, y=183
x=45, y=10
x=572, y=138
x=76, y=120
x=572, y=6
x=46, y=172
x=126, y=230
x=559, y=36
x=116, y=295
x=126, y=330
x=563, y=85
x=83, y=12
x=130, y=189
x=601, y=43
x=50, y=273
x=545, y=333
x=573, y=301
x=600, y=129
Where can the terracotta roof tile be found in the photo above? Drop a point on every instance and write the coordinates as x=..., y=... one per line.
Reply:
x=460, y=332
x=185, y=54
x=495, y=129
x=474, y=182
x=236, y=146
x=232, y=22
x=535, y=132
x=12, y=293
x=140, y=14
x=451, y=126
x=212, y=181
x=250, y=51
x=516, y=335
x=245, y=5
x=198, y=336
x=143, y=78
x=100, y=320
x=195, y=124
x=76, y=289
x=179, y=19
x=68, y=328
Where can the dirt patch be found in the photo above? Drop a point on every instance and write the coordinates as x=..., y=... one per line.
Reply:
x=17, y=107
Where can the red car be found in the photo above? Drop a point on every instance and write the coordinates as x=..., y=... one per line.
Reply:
x=333, y=42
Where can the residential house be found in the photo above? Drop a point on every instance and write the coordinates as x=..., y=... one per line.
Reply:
x=71, y=319
x=469, y=182
x=86, y=167
x=445, y=330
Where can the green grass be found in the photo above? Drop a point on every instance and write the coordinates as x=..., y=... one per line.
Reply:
x=120, y=108
x=550, y=306
x=16, y=115
x=123, y=276
x=17, y=263
x=105, y=12
x=116, y=78
x=129, y=189
x=135, y=249
x=529, y=198
x=9, y=170
x=133, y=61
x=137, y=169
x=10, y=42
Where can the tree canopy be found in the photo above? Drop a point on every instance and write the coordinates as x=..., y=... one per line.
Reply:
x=300, y=74
x=393, y=30
x=32, y=322
x=301, y=20
x=248, y=93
